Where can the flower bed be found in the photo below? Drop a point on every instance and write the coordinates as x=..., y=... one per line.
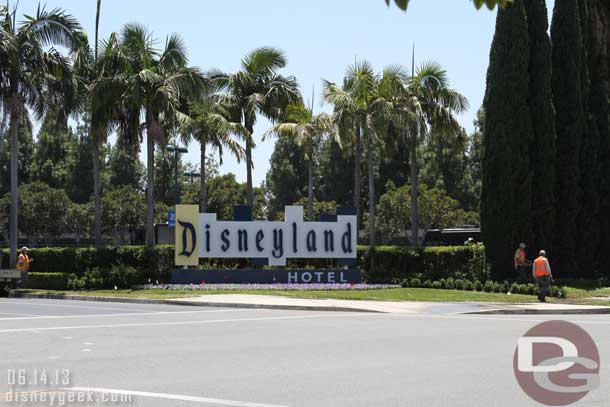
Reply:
x=289, y=287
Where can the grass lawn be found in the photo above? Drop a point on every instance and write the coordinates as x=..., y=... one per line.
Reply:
x=580, y=296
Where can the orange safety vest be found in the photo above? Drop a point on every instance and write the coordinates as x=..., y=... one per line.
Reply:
x=23, y=262
x=520, y=261
x=540, y=269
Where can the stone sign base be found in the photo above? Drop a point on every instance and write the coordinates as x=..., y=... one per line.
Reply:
x=258, y=276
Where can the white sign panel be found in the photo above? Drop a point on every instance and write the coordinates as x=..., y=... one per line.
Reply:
x=277, y=241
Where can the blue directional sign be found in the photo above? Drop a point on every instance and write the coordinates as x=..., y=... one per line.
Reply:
x=171, y=218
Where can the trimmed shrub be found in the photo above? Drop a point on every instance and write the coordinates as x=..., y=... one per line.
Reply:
x=50, y=281
x=393, y=263
x=488, y=286
x=478, y=286
x=468, y=285
x=459, y=284
x=436, y=284
x=531, y=289
x=415, y=282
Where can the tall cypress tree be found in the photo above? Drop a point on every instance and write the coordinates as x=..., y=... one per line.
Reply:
x=542, y=149
x=508, y=134
x=571, y=123
x=598, y=51
x=588, y=227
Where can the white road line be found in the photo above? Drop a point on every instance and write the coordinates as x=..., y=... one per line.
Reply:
x=208, y=400
x=50, y=304
x=128, y=314
x=20, y=314
x=208, y=321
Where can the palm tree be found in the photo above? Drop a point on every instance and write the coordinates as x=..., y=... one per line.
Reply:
x=155, y=83
x=27, y=69
x=256, y=89
x=101, y=114
x=364, y=103
x=307, y=130
x=424, y=103
x=209, y=122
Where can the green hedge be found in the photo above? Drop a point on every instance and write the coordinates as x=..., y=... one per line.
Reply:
x=392, y=264
x=48, y=281
x=152, y=263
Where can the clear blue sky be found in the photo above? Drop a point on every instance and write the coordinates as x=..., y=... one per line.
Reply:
x=320, y=37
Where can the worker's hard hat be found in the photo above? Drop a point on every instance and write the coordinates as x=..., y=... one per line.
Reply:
x=542, y=253
x=24, y=248
x=522, y=245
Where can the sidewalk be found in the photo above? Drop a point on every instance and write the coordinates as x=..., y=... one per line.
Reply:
x=391, y=307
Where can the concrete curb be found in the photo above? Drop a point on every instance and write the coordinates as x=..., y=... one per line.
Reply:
x=188, y=303
x=596, y=311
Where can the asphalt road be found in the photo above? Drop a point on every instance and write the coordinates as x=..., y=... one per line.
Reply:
x=157, y=355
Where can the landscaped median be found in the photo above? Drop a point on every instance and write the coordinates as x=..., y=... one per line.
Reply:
x=356, y=292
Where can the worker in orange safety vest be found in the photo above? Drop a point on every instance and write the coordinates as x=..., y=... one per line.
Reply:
x=543, y=275
x=23, y=265
x=522, y=264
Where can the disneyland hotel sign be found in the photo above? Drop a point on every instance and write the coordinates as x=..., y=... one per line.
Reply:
x=201, y=235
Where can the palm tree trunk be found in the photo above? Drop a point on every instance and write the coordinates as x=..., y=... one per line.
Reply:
x=97, y=187
x=414, y=191
x=357, y=154
x=13, y=229
x=310, y=185
x=97, y=191
x=150, y=181
x=203, y=191
x=250, y=191
x=371, y=197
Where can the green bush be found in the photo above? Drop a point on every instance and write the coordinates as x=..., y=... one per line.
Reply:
x=49, y=281
x=488, y=286
x=459, y=284
x=468, y=285
x=436, y=284
x=415, y=282
x=531, y=289
x=394, y=263
x=478, y=286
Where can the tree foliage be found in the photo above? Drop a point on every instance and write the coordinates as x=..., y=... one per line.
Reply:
x=506, y=186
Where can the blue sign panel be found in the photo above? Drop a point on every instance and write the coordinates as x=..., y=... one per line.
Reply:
x=171, y=218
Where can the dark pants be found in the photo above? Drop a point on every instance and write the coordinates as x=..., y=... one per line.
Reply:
x=523, y=273
x=24, y=279
x=544, y=284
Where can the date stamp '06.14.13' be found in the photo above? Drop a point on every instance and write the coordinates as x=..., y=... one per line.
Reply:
x=53, y=387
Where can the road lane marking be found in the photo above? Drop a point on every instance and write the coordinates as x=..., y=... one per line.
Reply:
x=208, y=321
x=128, y=314
x=50, y=304
x=20, y=314
x=208, y=400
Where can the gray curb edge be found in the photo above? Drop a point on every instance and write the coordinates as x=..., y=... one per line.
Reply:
x=187, y=303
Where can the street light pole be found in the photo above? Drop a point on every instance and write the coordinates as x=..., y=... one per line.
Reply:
x=176, y=150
